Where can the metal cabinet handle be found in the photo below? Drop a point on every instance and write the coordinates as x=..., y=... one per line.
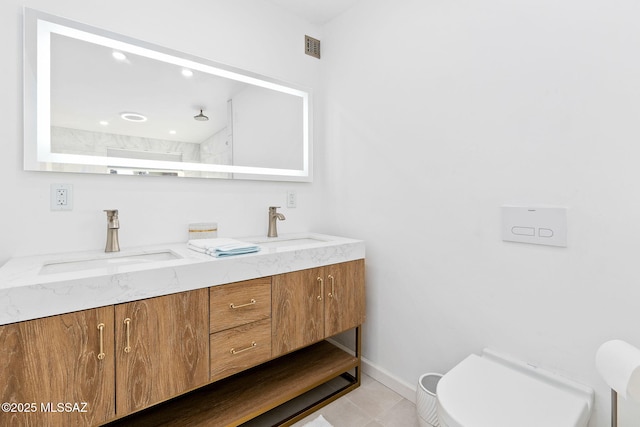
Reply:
x=127, y=322
x=333, y=282
x=234, y=351
x=321, y=281
x=252, y=302
x=101, y=355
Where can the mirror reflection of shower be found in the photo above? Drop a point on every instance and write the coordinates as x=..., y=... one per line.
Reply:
x=175, y=106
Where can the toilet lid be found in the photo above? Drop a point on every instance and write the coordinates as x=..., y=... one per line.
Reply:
x=480, y=392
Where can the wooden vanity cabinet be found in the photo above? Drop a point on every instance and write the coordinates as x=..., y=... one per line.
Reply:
x=229, y=338
x=55, y=360
x=68, y=359
x=292, y=313
x=313, y=304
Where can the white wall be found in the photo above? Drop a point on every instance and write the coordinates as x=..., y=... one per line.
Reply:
x=250, y=34
x=437, y=113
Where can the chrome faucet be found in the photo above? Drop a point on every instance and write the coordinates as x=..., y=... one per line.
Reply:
x=113, y=224
x=273, y=217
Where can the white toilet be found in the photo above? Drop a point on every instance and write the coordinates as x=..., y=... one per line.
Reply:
x=495, y=391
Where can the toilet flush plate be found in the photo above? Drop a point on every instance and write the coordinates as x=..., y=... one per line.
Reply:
x=535, y=225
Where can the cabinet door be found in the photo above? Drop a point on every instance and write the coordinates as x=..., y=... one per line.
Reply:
x=48, y=364
x=344, y=297
x=297, y=310
x=162, y=348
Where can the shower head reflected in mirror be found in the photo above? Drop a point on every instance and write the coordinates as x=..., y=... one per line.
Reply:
x=201, y=117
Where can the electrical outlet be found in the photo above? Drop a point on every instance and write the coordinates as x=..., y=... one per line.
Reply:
x=61, y=197
x=292, y=199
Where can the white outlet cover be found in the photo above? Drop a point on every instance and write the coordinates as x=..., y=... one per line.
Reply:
x=292, y=199
x=535, y=225
x=54, y=197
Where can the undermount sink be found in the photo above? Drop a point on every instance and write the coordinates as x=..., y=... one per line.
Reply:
x=107, y=260
x=279, y=243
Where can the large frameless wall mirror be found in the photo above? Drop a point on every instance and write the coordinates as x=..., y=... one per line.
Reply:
x=100, y=102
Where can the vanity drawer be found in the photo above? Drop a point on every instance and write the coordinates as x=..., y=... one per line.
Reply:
x=239, y=303
x=237, y=349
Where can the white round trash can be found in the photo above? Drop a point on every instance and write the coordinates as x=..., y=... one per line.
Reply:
x=426, y=400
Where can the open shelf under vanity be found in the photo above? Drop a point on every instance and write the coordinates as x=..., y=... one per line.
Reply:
x=320, y=369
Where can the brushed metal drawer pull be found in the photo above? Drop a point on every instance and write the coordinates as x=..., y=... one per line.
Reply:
x=333, y=282
x=319, y=297
x=127, y=322
x=101, y=355
x=234, y=351
x=252, y=302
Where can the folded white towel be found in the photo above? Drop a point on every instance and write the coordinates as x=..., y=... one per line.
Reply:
x=222, y=247
x=196, y=248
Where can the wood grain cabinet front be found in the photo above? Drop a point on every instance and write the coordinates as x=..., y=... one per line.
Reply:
x=240, y=348
x=48, y=362
x=239, y=303
x=88, y=367
x=240, y=325
x=344, y=297
x=162, y=348
x=310, y=305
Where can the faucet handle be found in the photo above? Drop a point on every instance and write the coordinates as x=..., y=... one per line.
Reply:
x=112, y=218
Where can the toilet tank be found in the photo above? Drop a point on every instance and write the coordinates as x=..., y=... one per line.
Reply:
x=494, y=390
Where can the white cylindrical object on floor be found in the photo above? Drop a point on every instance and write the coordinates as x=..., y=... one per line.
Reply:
x=426, y=400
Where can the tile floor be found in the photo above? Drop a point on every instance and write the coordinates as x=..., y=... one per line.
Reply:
x=370, y=405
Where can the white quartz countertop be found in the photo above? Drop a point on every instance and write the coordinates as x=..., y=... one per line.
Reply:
x=38, y=286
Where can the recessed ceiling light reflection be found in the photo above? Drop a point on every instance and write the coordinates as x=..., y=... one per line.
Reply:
x=172, y=132
x=133, y=117
x=104, y=123
x=119, y=56
x=187, y=72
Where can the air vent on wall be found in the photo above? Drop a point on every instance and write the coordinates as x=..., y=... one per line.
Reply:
x=312, y=46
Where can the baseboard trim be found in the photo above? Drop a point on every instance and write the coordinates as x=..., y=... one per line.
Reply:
x=384, y=377
x=404, y=389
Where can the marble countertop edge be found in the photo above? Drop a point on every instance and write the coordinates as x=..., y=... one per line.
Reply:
x=25, y=294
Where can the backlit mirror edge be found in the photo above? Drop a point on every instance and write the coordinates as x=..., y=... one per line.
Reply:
x=37, y=160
